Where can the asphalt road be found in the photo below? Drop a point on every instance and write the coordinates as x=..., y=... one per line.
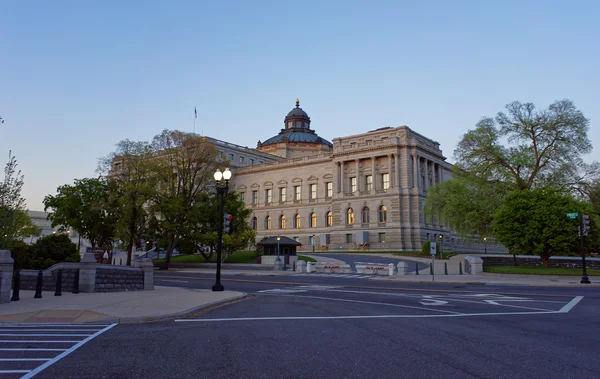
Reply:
x=319, y=327
x=351, y=258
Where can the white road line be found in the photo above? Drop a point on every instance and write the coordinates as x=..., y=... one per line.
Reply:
x=23, y=359
x=36, y=341
x=361, y=317
x=570, y=304
x=66, y=352
x=47, y=330
x=175, y=281
x=45, y=335
x=14, y=371
x=30, y=349
x=366, y=302
x=42, y=325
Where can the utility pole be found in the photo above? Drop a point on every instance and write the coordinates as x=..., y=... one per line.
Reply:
x=584, y=277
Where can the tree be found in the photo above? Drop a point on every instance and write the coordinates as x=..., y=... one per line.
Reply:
x=50, y=250
x=466, y=203
x=85, y=207
x=15, y=224
x=184, y=169
x=535, y=222
x=131, y=181
x=543, y=147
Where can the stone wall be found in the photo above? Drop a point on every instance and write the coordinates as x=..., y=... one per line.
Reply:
x=122, y=279
x=29, y=279
x=535, y=261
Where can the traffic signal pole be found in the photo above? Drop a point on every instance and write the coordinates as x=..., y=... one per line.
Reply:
x=584, y=277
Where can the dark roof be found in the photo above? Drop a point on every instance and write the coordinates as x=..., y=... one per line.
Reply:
x=297, y=135
x=283, y=240
x=297, y=112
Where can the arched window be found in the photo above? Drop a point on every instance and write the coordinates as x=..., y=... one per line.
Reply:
x=364, y=215
x=282, y=222
x=297, y=221
x=254, y=223
x=349, y=217
x=313, y=220
x=268, y=223
x=329, y=220
x=382, y=214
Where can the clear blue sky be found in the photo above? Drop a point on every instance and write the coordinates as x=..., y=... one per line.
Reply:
x=78, y=76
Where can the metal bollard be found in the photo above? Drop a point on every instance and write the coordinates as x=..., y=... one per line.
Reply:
x=76, y=282
x=308, y=267
x=294, y=266
x=417, y=272
x=445, y=268
x=17, y=288
x=58, y=291
x=121, y=262
x=430, y=269
x=114, y=261
x=459, y=268
x=39, y=285
x=391, y=269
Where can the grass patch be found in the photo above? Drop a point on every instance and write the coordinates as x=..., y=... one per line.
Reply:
x=539, y=270
x=248, y=256
x=306, y=259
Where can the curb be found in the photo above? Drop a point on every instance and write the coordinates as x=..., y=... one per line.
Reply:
x=475, y=282
x=143, y=319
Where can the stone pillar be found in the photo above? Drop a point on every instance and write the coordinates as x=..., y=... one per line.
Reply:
x=338, y=178
x=373, y=177
x=148, y=268
x=402, y=268
x=342, y=189
x=358, y=186
x=396, y=170
x=390, y=171
x=87, y=273
x=6, y=272
x=301, y=266
x=417, y=180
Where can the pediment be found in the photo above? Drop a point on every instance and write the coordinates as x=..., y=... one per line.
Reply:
x=312, y=178
x=297, y=180
x=255, y=185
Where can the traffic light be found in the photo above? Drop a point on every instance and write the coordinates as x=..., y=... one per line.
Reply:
x=586, y=224
x=227, y=218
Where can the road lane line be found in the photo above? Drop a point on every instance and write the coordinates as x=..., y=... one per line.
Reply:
x=29, y=349
x=299, y=318
x=43, y=325
x=14, y=371
x=376, y=287
x=570, y=304
x=174, y=281
x=365, y=302
x=38, y=369
x=47, y=330
x=45, y=335
x=36, y=341
x=23, y=359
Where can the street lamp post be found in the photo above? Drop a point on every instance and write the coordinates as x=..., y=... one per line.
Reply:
x=278, y=259
x=313, y=243
x=222, y=189
x=441, y=246
x=485, y=246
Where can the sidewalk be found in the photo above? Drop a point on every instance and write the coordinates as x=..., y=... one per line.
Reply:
x=131, y=306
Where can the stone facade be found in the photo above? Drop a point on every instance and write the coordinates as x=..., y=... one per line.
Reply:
x=114, y=280
x=370, y=188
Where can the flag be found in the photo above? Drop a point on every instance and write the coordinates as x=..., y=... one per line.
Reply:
x=195, y=113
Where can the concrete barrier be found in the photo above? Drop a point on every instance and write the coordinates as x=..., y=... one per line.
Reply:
x=301, y=266
x=402, y=268
x=373, y=268
x=473, y=265
x=6, y=273
x=332, y=267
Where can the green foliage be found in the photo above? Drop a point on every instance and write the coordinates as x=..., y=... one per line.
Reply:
x=426, y=246
x=85, y=207
x=46, y=252
x=535, y=222
x=543, y=147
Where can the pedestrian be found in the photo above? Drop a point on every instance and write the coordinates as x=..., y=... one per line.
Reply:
x=105, y=257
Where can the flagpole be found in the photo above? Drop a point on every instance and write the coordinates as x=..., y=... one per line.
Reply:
x=195, y=117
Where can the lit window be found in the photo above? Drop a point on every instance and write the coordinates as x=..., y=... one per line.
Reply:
x=297, y=221
x=313, y=220
x=268, y=196
x=282, y=194
x=282, y=222
x=385, y=179
x=349, y=217
x=382, y=214
x=254, y=197
x=329, y=189
x=329, y=219
x=313, y=191
x=353, y=184
x=268, y=222
x=297, y=193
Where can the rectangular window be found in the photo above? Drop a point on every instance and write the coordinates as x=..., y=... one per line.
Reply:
x=381, y=237
x=385, y=180
x=242, y=196
x=282, y=194
x=297, y=193
x=353, y=184
x=313, y=191
x=241, y=159
x=230, y=156
x=268, y=196
x=251, y=161
x=311, y=240
x=349, y=238
x=329, y=189
x=368, y=183
x=254, y=197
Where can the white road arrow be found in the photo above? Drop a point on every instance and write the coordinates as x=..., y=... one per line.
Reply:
x=433, y=302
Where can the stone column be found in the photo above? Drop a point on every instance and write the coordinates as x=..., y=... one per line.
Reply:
x=417, y=180
x=6, y=273
x=373, y=177
x=396, y=170
x=87, y=273
x=148, y=268
x=342, y=190
x=358, y=186
x=337, y=178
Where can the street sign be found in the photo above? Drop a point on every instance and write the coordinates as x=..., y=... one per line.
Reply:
x=432, y=249
x=572, y=215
